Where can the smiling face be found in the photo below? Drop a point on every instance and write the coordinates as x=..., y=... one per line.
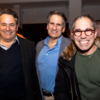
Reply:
x=84, y=43
x=55, y=27
x=8, y=28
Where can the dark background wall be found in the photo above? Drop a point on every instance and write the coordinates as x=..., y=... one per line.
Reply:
x=37, y=32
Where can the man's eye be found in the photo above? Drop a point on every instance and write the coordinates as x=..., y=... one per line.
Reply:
x=88, y=30
x=51, y=23
x=78, y=31
x=3, y=24
x=11, y=24
x=59, y=24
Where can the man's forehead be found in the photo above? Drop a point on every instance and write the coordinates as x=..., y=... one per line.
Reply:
x=9, y=17
x=83, y=18
x=83, y=22
x=6, y=16
x=55, y=19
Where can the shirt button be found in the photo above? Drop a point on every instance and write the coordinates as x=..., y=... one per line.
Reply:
x=44, y=63
x=42, y=81
x=43, y=72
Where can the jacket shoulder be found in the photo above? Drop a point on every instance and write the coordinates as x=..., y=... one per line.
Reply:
x=39, y=43
x=67, y=40
x=25, y=40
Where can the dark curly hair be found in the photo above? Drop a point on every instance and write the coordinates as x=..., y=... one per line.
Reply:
x=10, y=12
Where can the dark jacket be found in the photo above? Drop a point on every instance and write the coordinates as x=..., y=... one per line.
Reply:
x=66, y=87
x=31, y=83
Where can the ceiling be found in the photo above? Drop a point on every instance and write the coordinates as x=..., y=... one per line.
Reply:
x=50, y=4
x=91, y=2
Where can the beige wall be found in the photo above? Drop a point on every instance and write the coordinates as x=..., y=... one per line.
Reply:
x=39, y=15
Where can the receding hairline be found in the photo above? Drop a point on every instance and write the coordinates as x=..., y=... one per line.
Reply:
x=9, y=15
x=83, y=17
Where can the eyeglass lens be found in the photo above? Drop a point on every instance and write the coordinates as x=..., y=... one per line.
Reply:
x=87, y=32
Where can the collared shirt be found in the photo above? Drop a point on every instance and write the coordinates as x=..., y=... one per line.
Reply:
x=5, y=48
x=47, y=64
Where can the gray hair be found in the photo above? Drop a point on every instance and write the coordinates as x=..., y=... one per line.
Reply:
x=9, y=12
x=83, y=15
x=58, y=13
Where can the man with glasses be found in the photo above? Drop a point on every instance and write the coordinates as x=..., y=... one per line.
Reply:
x=79, y=71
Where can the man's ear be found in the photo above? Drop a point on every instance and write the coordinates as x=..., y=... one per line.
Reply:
x=96, y=33
x=63, y=30
x=47, y=27
x=17, y=27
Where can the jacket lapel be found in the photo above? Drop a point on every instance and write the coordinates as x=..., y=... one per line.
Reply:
x=64, y=43
x=24, y=55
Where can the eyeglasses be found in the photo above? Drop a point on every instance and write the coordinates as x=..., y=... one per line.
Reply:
x=87, y=32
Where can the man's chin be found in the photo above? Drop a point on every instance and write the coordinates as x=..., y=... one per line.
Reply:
x=84, y=50
x=55, y=37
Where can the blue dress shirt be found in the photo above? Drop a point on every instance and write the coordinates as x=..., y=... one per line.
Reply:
x=47, y=64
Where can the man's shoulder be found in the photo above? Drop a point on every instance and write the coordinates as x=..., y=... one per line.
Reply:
x=66, y=39
x=26, y=41
x=40, y=42
x=97, y=51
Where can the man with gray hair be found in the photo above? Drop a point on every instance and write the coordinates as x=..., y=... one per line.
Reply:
x=79, y=64
x=48, y=52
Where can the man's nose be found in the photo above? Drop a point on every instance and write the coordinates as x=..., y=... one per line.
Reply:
x=7, y=27
x=54, y=26
x=83, y=35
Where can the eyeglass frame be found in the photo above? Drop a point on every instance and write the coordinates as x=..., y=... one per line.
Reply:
x=79, y=30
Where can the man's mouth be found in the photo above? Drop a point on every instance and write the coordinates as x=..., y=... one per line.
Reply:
x=54, y=32
x=7, y=33
x=83, y=42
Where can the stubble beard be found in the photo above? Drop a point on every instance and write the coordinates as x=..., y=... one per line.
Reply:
x=85, y=51
x=54, y=38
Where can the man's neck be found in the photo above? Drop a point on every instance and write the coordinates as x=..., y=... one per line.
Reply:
x=6, y=43
x=52, y=42
x=89, y=52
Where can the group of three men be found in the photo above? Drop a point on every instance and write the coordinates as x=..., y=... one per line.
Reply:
x=74, y=76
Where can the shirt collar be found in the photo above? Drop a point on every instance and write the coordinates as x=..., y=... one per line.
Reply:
x=58, y=41
x=16, y=39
